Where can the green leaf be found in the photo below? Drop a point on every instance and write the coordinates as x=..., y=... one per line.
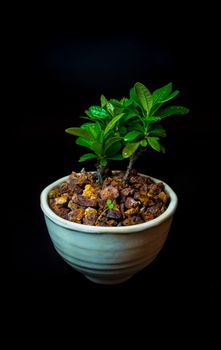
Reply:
x=87, y=156
x=97, y=148
x=153, y=142
x=103, y=101
x=175, y=93
x=132, y=135
x=154, y=108
x=92, y=117
x=134, y=97
x=116, y=103
x=122, y=130
x=160, y=94
x=77, y=132
x=115, y=148
x=129, y=149
x=110, y=142
x=126, y=102
x=116, y=157
x=143, y=143
x=112, y=123
x=128, y=115
x=110, y=203
x=144, y=96
x=136, y=125
x=163, y=94
x=103, y=162
x=110, y=108
x=94, y=129
x=99, y=112
x=157, y=131
x=150, y=119
x=171, y=110
x=81, y=141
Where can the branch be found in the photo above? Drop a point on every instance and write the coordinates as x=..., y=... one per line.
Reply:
x=100, y=173
x=132, y=160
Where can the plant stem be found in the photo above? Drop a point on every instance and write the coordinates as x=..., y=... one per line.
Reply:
x=100, y=173
x=132, y=160
x=129, y=168
x=101, y=214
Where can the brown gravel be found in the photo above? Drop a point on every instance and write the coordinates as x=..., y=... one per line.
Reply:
x=82, y=200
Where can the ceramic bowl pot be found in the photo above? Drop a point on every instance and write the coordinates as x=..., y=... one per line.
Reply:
x=108, y=255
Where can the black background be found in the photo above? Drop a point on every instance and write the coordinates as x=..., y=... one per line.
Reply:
x=65, y=61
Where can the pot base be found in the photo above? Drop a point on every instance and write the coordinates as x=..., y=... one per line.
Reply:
x=108, y=281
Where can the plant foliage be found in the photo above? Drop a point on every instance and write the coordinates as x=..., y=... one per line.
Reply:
x=119, y=129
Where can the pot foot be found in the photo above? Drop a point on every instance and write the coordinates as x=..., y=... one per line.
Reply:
x=108, y=281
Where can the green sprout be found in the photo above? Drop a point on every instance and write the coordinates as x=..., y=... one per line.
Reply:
x=121, y=129
x=109, y=204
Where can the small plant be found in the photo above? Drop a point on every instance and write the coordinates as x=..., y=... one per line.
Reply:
x=108, y=235
x=126, y=128
x=110, y=204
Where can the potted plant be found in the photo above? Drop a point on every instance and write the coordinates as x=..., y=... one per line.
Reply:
x=111, y=224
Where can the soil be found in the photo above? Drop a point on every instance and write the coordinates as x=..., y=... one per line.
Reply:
x=83, y=200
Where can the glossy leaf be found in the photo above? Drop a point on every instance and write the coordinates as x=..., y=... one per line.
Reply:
x=116, y=103
x=97, y=148
x=143, y=143
x=86, y=126
x=103, y=101
x=154, y=108
x=160, y=94
x=110, y=108
x=94, y=129
x=172, y=110
x=132, y=135
x=90, y=116
x=110, y=142
x=144, y=96
x=129, y=149
x=117, y=110
x=126, y=102
x=134, y=97
x=116, y=157
x=174, y=94
x=115, y=148
x=136, y=125
x=129, y=115
x=87, y=156
x=153, y=142
x=81, y=141
x=99, y=112
x=77, y=132
x=112, y=123
x=151, y=119
x=157, y=131
x=103, y=162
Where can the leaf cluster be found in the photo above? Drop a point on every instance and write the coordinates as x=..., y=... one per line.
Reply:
x=118, y=129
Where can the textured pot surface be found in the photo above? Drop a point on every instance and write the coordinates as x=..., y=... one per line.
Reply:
x=108, y=255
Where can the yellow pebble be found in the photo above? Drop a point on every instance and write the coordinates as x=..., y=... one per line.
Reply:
x=90, y=211
x=88, y=191
x=62, y=199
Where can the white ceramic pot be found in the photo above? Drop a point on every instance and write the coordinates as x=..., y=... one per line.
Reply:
x=108, y=255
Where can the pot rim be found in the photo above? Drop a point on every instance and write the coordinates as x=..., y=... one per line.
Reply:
x=104, y=229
